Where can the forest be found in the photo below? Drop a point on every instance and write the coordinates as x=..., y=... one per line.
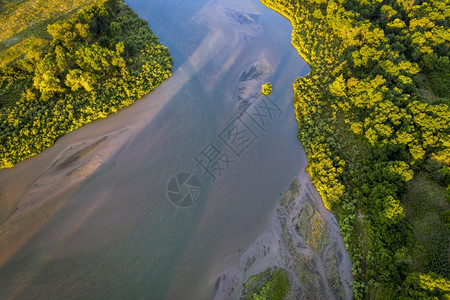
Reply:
x=78, y=62
x=374, y=119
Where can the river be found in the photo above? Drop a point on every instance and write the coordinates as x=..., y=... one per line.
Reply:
x=103, y=213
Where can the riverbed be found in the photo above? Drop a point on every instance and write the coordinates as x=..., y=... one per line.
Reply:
x=160, y=199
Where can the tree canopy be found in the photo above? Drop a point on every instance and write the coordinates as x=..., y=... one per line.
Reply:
x=266, y=88
x=93, y=63
x=373, y=113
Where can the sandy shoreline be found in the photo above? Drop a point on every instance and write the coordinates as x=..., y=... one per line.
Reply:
x=318, y=267
x=39, y=202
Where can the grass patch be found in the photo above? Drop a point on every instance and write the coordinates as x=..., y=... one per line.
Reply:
x=21, y=19
x=271, y=284
x=424, y=206
x=291, y=194
x=425, y=89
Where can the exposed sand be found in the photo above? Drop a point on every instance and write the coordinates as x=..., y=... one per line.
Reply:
x=304, y=239
x=250, y=81
x=72, y=166
x=225, y=39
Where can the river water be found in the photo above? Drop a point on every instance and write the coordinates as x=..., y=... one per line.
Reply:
x=119, y=233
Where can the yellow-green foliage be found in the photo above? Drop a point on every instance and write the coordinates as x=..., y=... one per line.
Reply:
x=325, y=171
x=270, y=284
x=21, y=48
x=87, y=70
x=266, y=88
x=425, y=286
x=19, y=16
x=364, y=126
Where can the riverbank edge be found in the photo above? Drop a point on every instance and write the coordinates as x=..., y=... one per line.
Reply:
x=115, y=93
x=317, y=69
x=303, y=238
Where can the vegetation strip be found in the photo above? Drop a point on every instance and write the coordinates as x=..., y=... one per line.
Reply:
x=98, y=59
x=271, y=284
x=374, y=113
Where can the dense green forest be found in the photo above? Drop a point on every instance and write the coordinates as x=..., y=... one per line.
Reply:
x=374, y=119
x=77, y=62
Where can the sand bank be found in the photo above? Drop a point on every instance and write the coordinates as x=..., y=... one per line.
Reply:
x=304, y=239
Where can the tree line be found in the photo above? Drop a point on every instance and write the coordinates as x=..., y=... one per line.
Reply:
x=94, y=63
x=367, y=127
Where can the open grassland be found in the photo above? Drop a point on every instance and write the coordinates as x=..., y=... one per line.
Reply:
x=24, y=23
x=24, y=18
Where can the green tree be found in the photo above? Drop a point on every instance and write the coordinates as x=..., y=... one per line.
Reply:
x=266, y=88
